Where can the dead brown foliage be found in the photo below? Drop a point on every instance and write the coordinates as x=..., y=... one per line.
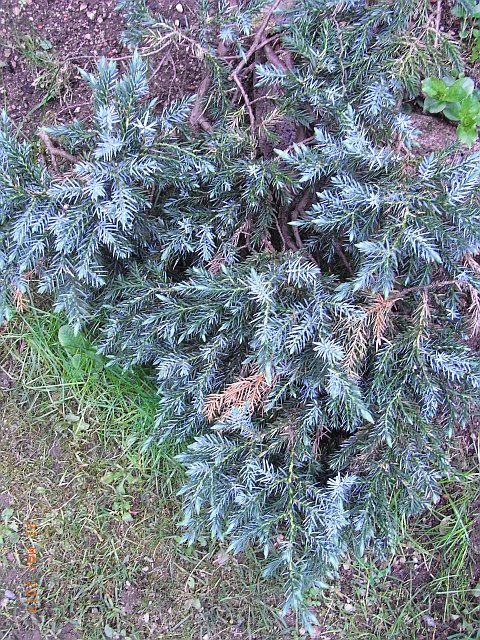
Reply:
x=250, y=390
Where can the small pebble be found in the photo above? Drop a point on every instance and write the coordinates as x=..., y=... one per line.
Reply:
x=177, y=23
x=429, y=621
x=179, y=8
x=91, y=15
x=349, y=608
x=83, y=6
x=10, y=595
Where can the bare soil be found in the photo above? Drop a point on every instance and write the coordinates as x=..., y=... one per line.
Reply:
x=79, y=32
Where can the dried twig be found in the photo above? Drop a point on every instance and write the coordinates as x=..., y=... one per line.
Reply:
x=397, y=295
x=274, y=59
x=284, y=229
x=197, y=110
x=256, y=44
x=299, y=142
x=256, y=41
x=474, y=311
x=245, y=99
x=341, y=254
x=166, y=58
x=294, y=215
x=55, y=152
x=378, y=315
x=437, y=22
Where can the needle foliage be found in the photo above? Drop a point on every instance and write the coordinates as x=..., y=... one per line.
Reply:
x=303, y=285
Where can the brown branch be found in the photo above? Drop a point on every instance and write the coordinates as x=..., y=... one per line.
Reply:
x=339, y=251
x=280, y=233
x=205, y=124
x=295, y=144
x=197, y=116
x=274, y=59
x=268, y=40
x=294, y=215
x=245, y=99
x=266, y=242
x=256, y=41
x=166, y=58
x=425, y=287
x=255, y=46
x=55, y=152
x=284, y=230
x=197, y=111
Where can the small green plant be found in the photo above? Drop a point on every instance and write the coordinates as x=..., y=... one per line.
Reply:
x=82, y=355
x=8, y=528
x=52, y=74
x=469, y=15
x=458, y=100
x=475, y=45
x=465, y=11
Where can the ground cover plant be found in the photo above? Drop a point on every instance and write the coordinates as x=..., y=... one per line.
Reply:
x=303, y=286
x=457, y=100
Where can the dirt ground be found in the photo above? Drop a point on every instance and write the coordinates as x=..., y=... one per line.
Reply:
x=77, y=33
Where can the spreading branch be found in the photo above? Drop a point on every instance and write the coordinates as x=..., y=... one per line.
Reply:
x=55, y=152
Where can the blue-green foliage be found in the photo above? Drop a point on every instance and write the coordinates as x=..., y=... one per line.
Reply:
x=80, y=228
x=316, y=381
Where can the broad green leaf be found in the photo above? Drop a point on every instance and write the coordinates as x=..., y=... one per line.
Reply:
x=467, y=135
x=69, y=340
x=452, y=111
x=459, y=12
x=470, y=108
x=432, y=105
x=459, y=90
x=46, y=44
x=108, y=631
x=6, y=514
x=366, y=415
x=434, y=87
x=76, y=361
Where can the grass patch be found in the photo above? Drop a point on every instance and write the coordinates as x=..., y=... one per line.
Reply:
x=73, y=460
x=52, y=74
